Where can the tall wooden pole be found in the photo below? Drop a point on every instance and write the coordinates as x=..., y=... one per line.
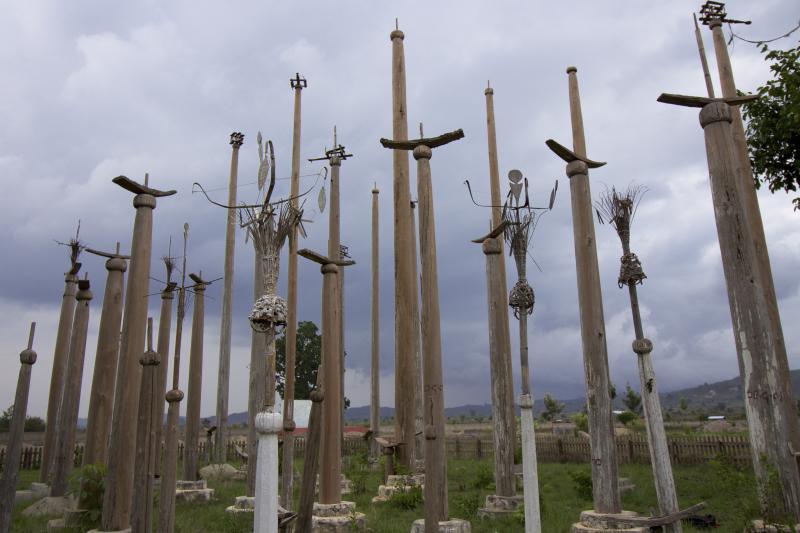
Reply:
x=757, y=345
x=101, y=398
x=257, y=385
x=166, y=505
x=70, y=401
x=162, y=347
x=773, y=363
x=118, y=496
x=298, y=84
x=8, y=482
x=142, y=517
x=405, y=269
x=503, y=416
x=192, y=426
x=223, y=377
x=590, y=300
x=375, y=395
x=60, y=356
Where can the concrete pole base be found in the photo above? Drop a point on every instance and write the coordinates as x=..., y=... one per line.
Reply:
x=337, y=517
x=126, y=530
x=242, y=504
x=50, y=506
x=193, y=491
x=499, y=506
x=592, y=522
x=398, y=483
x=454, y=525
x=760, y=526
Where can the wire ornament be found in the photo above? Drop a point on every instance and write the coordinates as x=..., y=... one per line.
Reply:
x=618, y=209
x=75, y=248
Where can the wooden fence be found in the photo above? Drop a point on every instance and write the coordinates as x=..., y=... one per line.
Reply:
x=630, y=449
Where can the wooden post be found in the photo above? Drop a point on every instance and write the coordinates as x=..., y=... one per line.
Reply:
x=298, y=84
x=257, y=386
x=782, y=410
x=142, y=516
x=8, y=483
x=122, y=445
x=68, y=414
x=619, y=210
x=757, y=344
x=60, y=356
x=166, y=505
x=502, y=424
x=162, y=347
x=192, y=427
x=330, y=490
x=375, y=396
x=101, y=398
x=598, y=383
x=503, y=415
x=404, y=267
x=223, y=377
x=311, y=459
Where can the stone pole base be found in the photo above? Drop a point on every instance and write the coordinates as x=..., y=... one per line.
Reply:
x=193, y=491
x=760, y=526
x=454, y=525
x=499, y=505
x=337, y=518
x=50, y=506
x=398, y=483
x=592, y=522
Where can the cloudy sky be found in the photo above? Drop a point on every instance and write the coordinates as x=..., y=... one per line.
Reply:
x=91, y=91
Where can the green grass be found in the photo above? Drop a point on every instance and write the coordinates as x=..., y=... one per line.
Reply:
x=730, y=494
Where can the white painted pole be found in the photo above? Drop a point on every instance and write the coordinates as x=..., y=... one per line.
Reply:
x=268, y=425
x=530, y=476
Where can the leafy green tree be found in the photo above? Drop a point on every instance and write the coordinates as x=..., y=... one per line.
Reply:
x=32, y=423
x=773, y=124
x=552, y=408
x=307, y=361
x=632, y=400
x=5, y=418
x=683, y=404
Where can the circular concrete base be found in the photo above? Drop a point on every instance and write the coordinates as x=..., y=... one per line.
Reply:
x=454, y=525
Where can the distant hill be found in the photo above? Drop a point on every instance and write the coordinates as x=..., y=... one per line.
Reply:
x=719, y=396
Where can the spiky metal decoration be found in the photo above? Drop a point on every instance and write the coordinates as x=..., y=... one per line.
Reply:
x=617, y=209
x=268, y=224
x=522, y=221
x=75, y=248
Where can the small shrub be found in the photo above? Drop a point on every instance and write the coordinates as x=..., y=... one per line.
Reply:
x=581, y=421
x=582, y=483
x=407, y=500
x=88, y=482
x=467, y=505
x=483, y=477
x=627, y=417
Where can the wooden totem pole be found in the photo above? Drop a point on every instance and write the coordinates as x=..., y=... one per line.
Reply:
x=8, y=482
x=772, y=424
x=503, y=416
x=60, y=356
x=406, y=334
x=769, y=401
x=436, y=508
x=149, y=393
x=595, y=356
x=101, y=398
x=297, y=84
x=618, y=209
x=68, y=413
x=166, y=505
x=162, y=348
x=223, y=377
x=192, y=428
x=375, y=368
x=118, y=496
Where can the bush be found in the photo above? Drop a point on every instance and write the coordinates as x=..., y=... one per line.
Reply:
x=88, y=482
x=581, y=421
x=627, y=417
x=582, y=483
x=407, y=500
x=467, y=505
x=484, y=477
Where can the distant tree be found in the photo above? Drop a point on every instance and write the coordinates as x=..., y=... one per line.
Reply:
x=626, y=417
x=34, y=424
x=683, y=404
x=552, y=408
x=773, y=124
x=5, y=418
x=307, y=360
x=632, y=400
x=613, y=391
x=581, y=421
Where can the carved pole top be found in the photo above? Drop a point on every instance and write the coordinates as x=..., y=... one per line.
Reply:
x=702, y=101
x=430, y=142
x=109, y=255
x=199, y=283
x=28, y=356
x=137, y=188
x=496, y=232
x=297, y=82
x=569, y=156
x=322, y=259
x=237, y=139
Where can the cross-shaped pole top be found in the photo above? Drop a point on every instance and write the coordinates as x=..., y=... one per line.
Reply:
x=297, y=82
x=430, y=142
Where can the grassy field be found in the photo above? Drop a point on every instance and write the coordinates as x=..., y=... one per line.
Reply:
x=729, y=492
